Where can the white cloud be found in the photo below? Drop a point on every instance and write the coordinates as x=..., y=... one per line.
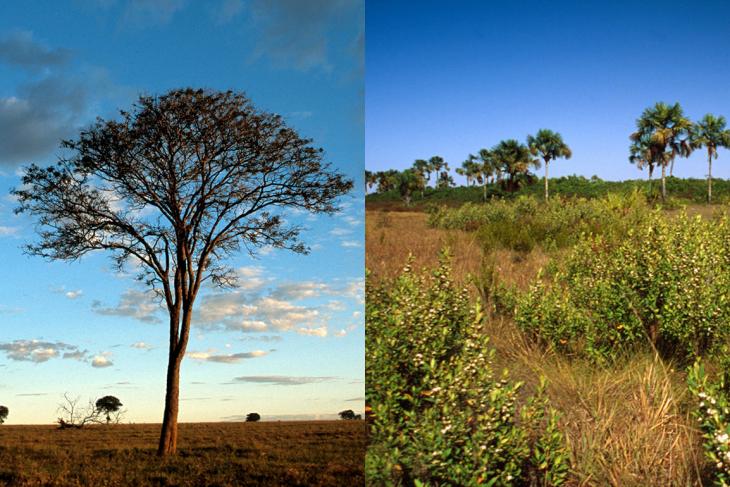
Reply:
x=8, y=231
x=101, y=361
x=349, y=244
x=319, y=331
x=73, y=294
x=141, y=346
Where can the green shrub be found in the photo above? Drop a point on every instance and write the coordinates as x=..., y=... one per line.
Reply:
x=667, y=283
x=713, y=415
x=441, y=414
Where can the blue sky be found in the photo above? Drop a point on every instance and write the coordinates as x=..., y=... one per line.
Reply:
x=450, y=78
x=289, y=343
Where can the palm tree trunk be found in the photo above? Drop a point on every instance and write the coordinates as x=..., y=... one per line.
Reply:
x=546, y=179
x=671, y=168
x=484, y=191
x=709, y=177
x=664, y=182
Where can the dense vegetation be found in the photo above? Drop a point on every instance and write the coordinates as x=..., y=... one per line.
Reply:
x=441, y=413
x=616, y=291
x=684, y=190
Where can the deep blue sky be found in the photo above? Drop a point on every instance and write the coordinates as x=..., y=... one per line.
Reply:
x=288, y=343
x=449, y=78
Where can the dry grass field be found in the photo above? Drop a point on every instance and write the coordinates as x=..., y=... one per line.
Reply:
x=626, y=425
x=317, y=453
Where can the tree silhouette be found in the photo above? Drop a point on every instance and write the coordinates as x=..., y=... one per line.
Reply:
x=180, y=183
x=253, y=417
x=108, y=405
x=347, y=414
x=4, y=411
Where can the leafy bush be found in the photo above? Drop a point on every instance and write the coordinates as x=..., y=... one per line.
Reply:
x=526, y=222
x=713, y=415
x=440, y=413
x=667, y=283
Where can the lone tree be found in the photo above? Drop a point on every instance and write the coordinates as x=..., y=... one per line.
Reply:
x=108, y=405
x=710, y=132
x=550, y=146
x=4, y=411
x=252, y=417
x=180, y=183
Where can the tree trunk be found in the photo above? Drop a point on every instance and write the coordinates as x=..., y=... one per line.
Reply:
x=546, y=179
x=664, y=182
x=484, y=191
x=709, y=177
x=168, y=437
x=178, y=344
x=671, y=168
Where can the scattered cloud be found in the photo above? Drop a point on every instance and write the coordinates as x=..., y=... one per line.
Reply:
x=295, y=33
x=356, y=399
x=320, y=331
x=8, y=231
x=339, y=231
x=282, y=380
x=32, y=394
x=141, y=305
x=349, y=244
x=39, y=351
x=141, y=346
x=233, y=358
x=19, y=48
x=101, y=361
x=149, y=13
x=225, y=10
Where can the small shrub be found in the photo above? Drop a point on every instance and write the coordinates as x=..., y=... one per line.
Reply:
x=441, y=415
x=253, y=417
x=4, y=411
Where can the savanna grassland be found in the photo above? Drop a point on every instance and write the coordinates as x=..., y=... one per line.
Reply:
x=575, y=342
x=301, y=453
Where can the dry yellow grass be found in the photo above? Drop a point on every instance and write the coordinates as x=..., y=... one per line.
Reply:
x=267, y=453
x=626, y=425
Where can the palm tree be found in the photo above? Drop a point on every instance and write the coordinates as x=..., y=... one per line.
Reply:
x=386, y=180
x=710, y=132
x=549, y=145
x=641, y=154
x=470, y=169
x=423, y=167
x=514, y=159
x=487, y=168
x=665, y=130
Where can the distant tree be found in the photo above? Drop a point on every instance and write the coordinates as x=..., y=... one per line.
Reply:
x=4, y=411
x=108, y=405
x=75, y=415
x=515, y=160
x=408, y=182
x=253, y=417
x=423, y=167
x=710, y=132
x=550, y=146
x=347, y=414
x=387, y=180
x=180, y=183
x=470, y=169
x=664, y=131
x=437, y=163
